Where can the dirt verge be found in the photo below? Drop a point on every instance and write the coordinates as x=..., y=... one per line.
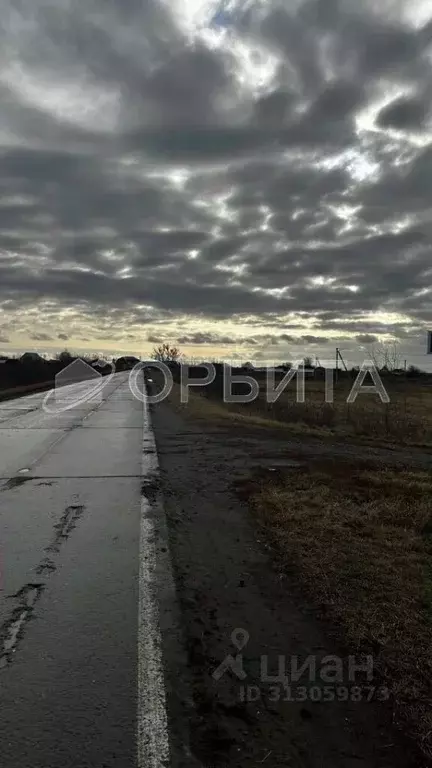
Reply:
x=358, y=539
x=241, y=609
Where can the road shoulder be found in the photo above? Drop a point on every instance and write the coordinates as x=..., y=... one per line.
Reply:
x=226, y=581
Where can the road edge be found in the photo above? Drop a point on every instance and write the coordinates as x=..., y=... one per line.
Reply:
x=163, y=693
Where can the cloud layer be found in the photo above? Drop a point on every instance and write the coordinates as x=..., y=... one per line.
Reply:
x=208, y=172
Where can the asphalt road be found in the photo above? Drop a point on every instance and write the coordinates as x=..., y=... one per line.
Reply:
x=79, y=647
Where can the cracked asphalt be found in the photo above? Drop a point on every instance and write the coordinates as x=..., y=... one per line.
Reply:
x=70, y=494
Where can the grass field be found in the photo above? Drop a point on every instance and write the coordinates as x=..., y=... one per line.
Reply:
x=359, y=540
x=406, y=420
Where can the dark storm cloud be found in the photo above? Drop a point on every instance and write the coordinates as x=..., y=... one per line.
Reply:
x=206, y=338
x=195, y=339
x=366, y=338
x=404, y=114
x=203, y=144
x=408, y=187
x=41, y=337
x=314, y=339
x=155, y=339
x=146, y=175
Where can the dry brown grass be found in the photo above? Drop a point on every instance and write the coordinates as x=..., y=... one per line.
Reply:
x=206, y=409
x=210, y=409
x=360, y=540
x=406, y=420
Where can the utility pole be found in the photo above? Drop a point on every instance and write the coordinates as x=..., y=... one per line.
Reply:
x=342, y=360
x=339, y=357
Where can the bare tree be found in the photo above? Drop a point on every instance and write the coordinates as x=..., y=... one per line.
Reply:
x=165, y=353
x=386, y=356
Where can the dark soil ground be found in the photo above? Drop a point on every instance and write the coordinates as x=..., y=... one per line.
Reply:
x=227, y=580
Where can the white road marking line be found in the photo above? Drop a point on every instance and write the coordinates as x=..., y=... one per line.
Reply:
x=153, y=741
x=153, y=744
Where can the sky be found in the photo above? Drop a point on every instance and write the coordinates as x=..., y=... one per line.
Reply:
x=245, y=179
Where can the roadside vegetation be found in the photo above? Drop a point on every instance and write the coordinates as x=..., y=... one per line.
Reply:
x=33, y=373
x=358, y=539
x=406, y=420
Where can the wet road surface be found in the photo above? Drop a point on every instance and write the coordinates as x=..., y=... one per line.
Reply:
x=70, y=605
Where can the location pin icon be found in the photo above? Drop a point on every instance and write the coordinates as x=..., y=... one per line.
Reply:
x=240, y=638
